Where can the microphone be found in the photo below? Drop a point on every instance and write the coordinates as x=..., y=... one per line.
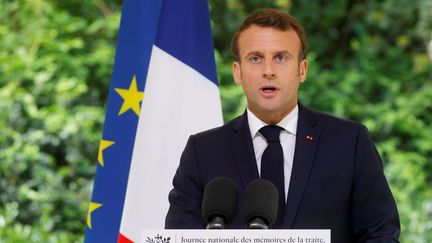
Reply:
x=261, y=204
x=219, y=202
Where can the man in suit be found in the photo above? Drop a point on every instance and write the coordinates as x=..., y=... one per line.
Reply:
x=332, y=174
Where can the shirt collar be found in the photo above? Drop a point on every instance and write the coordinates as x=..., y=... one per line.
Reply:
x=289, y=122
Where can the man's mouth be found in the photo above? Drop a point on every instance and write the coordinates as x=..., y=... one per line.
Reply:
x=268, y=89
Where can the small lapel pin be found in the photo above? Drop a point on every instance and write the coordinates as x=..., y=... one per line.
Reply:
x=309, y=137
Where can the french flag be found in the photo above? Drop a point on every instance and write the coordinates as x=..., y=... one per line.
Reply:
x=163, y=89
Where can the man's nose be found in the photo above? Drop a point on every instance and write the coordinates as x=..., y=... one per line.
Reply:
x=268, y=71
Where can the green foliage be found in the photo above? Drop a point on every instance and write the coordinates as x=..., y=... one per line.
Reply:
x=55, y=64
x=367, y=62
x=379, y=74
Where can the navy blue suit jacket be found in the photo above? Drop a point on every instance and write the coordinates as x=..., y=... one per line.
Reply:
x=337, y=179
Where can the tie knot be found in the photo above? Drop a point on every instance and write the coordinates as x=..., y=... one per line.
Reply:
x=271, y=133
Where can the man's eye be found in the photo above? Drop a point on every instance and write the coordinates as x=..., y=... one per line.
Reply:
x=255, y=59
x=281, y=58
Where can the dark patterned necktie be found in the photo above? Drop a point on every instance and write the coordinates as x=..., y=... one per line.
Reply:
x=272, y=165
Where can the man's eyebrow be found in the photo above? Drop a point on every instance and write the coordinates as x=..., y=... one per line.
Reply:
x=254, y=53
x=286, y=52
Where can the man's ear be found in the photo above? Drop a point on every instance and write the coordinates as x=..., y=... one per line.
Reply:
x=303, y=67
x=237, y=72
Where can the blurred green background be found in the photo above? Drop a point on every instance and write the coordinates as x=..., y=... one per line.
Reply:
x=368, y=60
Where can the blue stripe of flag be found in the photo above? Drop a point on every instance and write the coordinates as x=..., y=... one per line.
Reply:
x=184, y=32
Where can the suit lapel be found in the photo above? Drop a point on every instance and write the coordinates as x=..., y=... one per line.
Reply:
x=243, y=151
x=307, y=139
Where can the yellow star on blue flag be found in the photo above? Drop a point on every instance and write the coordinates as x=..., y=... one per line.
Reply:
x=103, y=145
x=131, y=98
x=93, y=206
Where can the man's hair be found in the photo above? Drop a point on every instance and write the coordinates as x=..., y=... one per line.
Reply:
x=271, y=18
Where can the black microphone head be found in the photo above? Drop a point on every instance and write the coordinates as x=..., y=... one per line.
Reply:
x=261, y=201
x=220, y=199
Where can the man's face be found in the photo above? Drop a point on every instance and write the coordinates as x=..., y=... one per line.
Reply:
x=269, y=71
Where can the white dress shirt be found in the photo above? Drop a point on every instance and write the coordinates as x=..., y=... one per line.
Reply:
x=287, y=140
